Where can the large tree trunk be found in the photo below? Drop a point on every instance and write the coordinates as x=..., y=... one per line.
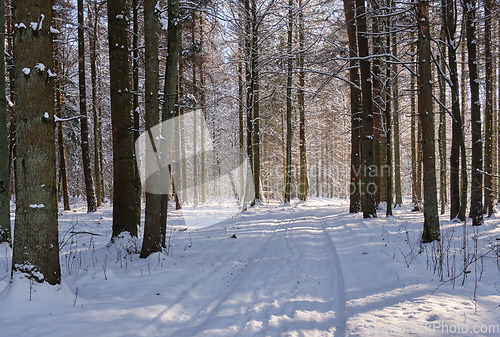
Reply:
x=476, y=201
x=355, y=183
x=84, y=125
x=250, y=86
x=368, y=187
x=395, y=109
x=304, y=176
x=135, y=105
x=497, y=117
x=99, y=185
x=256, y=102
x=12, y=84
x=488, y=111
x=152, y=223
x=418, y=186
x=496, y=111
x=431, y=217
x=442, y=128
x=387, y=113
x=124, y=197
x=379, y=154
x=457, y=132
x=416, y=147
x=5, y=235
x=36, y=246
x=413, y=143
x=170, y=89
x=463, y=152
x=288, y=163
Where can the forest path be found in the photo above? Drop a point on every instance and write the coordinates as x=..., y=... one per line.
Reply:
x=288, y=281
x=306, y=269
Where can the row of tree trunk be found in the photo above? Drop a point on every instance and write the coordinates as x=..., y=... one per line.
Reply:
x=36, y=117
x=370, y=183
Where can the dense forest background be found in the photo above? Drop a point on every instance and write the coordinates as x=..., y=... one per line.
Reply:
x=382, y=102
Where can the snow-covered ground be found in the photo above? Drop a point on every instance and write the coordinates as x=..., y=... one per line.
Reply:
x=305, y=269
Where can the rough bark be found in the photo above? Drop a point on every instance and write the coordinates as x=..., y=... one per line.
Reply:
x=256, y=101
x=288, y=163
x=395, y=109
x=84, y=125
x=416, y=161
x=377, y=106
x=463, y=153
x=418, y=186
x=135, y=105
x=488, y=110
x=170, y=89
x=388, y=117
x=93, y=22
x=304, y=176
x=248, y=82
x=355, y=183
x=413, y=144
x=442, y=129
x=368, y=187
x=124, y=202
x=5, y=233
x=476, y=201
x=497, y=117
x=152, y=223
x=457, y=132
x=241, y=131
x=431, y=217
x=12, y=84
x=36, y=246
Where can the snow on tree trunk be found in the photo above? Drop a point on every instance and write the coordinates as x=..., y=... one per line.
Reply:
x=124, y=205
x=354, y=189
x=288, y=150
x=36, y=247
x=368, y=187
x=93, y=23
x=152, y=223
x=476, y=202
x=5, y=235
x=84, y=125
x=304, y=177
x=431, y=217
x=170, y=87
x=488, y=111
x=457, y=140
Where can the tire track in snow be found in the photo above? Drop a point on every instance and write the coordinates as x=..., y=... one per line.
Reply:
x=230, y=308
x=199, y=286
x=229, y=299
x=341, y=295
x=335, y=270
x=205, y=316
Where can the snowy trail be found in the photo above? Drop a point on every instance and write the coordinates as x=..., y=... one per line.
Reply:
x=289, y=284
x=305, y=269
